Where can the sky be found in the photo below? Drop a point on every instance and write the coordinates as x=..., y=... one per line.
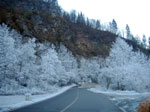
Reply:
x=135, y=13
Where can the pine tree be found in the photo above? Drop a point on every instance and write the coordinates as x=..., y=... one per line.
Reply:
x=73, y=16
x=144, y=41
x=149, y=42
x=98, y=25
x=137, y=38
x=66, y=16
x=128, y=33
x=113, y=26
x=88, y=22
x=80, y=18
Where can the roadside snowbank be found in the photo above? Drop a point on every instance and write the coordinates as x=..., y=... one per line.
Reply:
x=8, y=103
x=129, y=100
x=117, y=92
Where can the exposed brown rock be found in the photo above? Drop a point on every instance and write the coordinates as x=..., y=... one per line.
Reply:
x=144, y=106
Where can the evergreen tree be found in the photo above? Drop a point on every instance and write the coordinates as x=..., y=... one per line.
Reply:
x=66, y=16
x=149, y=42
x=93, y=23
x=98, y=25
x=128, y=33
x=88, y=22
x=144, y=41
x=80, y=18
x=73, y=16
x=113, y=26
x=137, y=39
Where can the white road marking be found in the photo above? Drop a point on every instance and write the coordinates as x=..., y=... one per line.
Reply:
x=67, y=107
x=123, y=110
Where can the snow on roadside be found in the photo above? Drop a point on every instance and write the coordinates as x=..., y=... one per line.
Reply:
x=129, y=100
x=118, y=92
x=11, y=102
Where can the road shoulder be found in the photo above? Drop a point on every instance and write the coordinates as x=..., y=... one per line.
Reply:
x=8, y=103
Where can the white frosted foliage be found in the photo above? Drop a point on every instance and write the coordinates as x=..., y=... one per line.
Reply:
x=126, y=69
x=30, y=67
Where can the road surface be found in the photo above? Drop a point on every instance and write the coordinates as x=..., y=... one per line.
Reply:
x=74, y=100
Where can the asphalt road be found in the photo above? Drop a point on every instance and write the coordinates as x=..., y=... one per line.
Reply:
x=74, y=100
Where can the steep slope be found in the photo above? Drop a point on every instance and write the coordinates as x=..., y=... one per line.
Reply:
x=44, y=21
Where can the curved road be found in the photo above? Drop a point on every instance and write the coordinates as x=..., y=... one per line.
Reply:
x=74, y=100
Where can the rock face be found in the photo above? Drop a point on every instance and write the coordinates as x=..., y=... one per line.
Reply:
x=144, y=106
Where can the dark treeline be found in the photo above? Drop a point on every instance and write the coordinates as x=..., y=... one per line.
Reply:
x=112, y=27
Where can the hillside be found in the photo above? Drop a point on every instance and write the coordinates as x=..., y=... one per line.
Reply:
x=45, y=21
x=92, y=53
x=43, y=48
x=35, y=18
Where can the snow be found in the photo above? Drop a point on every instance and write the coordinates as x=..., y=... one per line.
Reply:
x=125, y=69
x=40, y=68
x=129, y=100
x=30, y=67
x=37, y=67
x=117, y=92
x=12, y=102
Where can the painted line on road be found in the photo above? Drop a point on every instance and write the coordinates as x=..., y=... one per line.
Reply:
x=122, y=109
x=74, y=101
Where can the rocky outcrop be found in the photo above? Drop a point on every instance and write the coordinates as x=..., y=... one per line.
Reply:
x=144, y=106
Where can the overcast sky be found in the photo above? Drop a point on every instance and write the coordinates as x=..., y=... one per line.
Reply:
x=135, y=13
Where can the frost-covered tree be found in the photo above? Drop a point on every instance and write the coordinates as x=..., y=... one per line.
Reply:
x=47, y=68
x=8, y=54
x=52, y=66
x=26, y=63
x=27, y=66
x=125, y=53
x=116, y=60
x=89, y=70
x=124, y=68
x=69, y=63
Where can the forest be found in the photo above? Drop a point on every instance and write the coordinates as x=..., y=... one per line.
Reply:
x=28, y=66
x=43, y=47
